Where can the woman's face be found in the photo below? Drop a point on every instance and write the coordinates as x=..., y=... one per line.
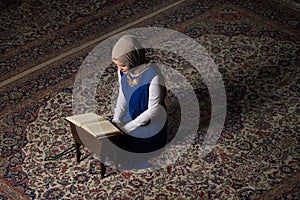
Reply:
x=121, y=66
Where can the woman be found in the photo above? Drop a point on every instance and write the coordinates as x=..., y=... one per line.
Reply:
x=140, y=109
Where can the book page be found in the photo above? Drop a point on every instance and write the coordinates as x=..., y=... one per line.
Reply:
x=101, y=128
x=83, y=119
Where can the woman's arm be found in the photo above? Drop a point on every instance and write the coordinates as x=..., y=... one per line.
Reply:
x=120, y=108
x=156, y=97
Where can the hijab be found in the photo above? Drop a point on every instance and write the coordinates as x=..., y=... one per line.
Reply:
x=129, y=51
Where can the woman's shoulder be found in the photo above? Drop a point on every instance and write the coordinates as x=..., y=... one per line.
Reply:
x=154, y=74
x=154, y=69
x=148, y=70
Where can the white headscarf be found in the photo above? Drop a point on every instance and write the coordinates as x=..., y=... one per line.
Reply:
x=129, y=51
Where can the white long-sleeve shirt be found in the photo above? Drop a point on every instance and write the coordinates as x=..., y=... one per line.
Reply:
x=155, y=114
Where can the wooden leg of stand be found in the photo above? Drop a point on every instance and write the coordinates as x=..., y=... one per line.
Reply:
x=78, y=153
x=103, y=169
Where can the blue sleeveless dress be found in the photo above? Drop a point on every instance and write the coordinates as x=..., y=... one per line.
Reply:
x=148, y=137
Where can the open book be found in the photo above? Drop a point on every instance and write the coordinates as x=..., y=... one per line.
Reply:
x=94, y=124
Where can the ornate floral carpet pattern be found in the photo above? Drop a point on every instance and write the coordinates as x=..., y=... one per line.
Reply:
x=256, y=47
x=36, y=31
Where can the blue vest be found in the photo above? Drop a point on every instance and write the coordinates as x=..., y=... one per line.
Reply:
x=137, y=97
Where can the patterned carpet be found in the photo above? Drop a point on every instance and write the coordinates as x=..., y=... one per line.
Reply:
x=256, y=47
